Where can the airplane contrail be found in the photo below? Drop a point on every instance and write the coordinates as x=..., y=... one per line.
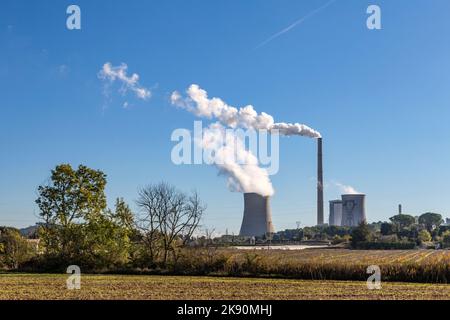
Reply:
x=296, y=23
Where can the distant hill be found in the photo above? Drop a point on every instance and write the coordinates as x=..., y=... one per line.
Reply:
x=29, y=232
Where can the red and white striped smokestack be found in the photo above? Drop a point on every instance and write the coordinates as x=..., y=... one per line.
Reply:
x=319, y=183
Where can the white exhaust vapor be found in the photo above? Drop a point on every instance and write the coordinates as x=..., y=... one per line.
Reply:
x=246, y=117
x=234, y=161
x=232, y=158
x=346, y=189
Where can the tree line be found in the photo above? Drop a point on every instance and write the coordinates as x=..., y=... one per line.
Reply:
x=402, y=231
x=78, y=228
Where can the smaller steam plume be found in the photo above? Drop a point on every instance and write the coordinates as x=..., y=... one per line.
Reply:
x=346, y=189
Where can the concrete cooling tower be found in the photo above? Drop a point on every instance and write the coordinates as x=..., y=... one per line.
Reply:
x=353, y=209
x=257, y=219
x=335, y=218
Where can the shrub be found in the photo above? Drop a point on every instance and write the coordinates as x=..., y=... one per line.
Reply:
x=446, y=239
x=424, y=236
x=14, y=249
x=360, y=234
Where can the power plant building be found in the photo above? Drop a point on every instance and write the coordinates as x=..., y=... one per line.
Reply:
x=353, y=209
x=348, y=212
x=257, y=221
x=335, y=218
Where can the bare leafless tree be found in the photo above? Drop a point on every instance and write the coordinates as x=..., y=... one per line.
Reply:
x=148, y=220
x=209, y=234
x=210, y=251
x=169, y=217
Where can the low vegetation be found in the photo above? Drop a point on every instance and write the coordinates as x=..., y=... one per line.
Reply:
x=403, y=231
x=320, y=264
x=14, y=249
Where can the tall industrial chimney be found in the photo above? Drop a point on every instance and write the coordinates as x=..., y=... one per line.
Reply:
x=319, y=183
x=257, y=219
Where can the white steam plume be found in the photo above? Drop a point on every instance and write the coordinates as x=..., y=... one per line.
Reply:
x=346, y=189
x=240, y=166
x=246, y=117
x=231, y=157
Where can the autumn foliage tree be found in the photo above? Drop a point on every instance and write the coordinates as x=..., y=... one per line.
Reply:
x=14, y=249
x=77, y=227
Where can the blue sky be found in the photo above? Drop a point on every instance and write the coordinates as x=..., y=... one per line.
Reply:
x=380, y=98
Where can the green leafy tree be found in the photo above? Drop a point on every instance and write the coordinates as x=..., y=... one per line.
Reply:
x=14, y=249
x=446, y=239
x=77, y=226
x=123, y=215
x=111, y=235
x=386, y=228
x=402, y=221
x=424, y=236
x=360, y=234
x=71, y=198
x=430, y=220
x=107, y=237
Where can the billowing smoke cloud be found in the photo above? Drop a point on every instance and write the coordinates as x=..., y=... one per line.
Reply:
x=246, y=117
x=119, y=73
x=346, y=189
x=234, y=161
x=231, y=157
